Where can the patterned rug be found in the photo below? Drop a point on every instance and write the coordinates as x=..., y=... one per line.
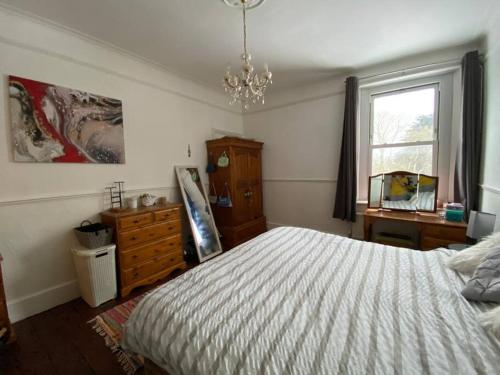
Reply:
x=109, y=325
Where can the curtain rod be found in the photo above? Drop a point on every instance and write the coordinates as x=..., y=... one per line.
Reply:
x=407, y=70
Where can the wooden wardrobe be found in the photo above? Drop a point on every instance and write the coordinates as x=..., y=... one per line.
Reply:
x=242, y=178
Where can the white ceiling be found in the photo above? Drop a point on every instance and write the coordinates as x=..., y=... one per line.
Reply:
x=300, y=39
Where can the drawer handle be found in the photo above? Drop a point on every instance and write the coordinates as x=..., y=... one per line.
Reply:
x=151, y=234
x=134, y=256
x=172, y=259
x=133, y=238
x=157, y=251
x=136, y=274
x=170, y=228
x=136, y=221
x=171, y=244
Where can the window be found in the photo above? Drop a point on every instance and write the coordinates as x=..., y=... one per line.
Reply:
x=403, y=130
x=405, y=123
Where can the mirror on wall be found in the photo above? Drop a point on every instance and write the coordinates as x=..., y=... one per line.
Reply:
x=200, y=216
x=403, y=191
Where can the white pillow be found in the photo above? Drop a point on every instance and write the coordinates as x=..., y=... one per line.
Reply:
x=466, y=261
x=491, y=321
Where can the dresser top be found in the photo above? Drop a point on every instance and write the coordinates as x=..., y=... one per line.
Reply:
x=421, y=217
x=135, y=211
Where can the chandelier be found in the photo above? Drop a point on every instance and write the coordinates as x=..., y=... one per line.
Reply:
x=247, y=87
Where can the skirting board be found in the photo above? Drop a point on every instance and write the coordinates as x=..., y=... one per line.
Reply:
x=43, y=300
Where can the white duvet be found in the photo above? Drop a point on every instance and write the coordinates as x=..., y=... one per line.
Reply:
x=298, y=301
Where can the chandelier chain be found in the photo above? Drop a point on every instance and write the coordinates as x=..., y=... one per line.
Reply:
x=245, y=29
x=248, y=86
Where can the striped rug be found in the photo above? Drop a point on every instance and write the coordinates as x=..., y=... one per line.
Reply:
x=109, y=325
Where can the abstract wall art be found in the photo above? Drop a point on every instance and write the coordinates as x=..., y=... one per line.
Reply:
x=56, y=124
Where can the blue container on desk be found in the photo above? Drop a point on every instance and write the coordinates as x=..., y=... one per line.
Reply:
x=454, y=215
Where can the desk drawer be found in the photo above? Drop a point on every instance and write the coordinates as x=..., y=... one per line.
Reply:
x=154, y=232
x=167, y=215
x=444, y=232
x=136, y=221
x=144, y=253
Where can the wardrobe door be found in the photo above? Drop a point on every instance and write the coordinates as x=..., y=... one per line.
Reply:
x=255, y=184
x=240, y=170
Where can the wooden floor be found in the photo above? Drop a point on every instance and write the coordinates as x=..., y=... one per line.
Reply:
x=60, y=341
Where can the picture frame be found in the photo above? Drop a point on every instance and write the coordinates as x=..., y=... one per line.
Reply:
x=201, y=219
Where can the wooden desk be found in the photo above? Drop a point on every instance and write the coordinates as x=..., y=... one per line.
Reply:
x=433, y=231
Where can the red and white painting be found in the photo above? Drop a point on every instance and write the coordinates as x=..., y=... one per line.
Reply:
x=56, y=124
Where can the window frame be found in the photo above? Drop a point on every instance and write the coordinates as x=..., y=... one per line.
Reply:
x=448, y=114
x=434, y=143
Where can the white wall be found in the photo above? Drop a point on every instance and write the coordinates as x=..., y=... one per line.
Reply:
x=40, y=203
x=302, y=134
x=302, y=141
x=490, y=197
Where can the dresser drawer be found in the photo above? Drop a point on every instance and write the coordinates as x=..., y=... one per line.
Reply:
x=170, y=260
x=444, y=232
x=167, y=215
x=143, y=253
x=431, y=243
x=142, y=271
x=136, y=221
x=154, y=232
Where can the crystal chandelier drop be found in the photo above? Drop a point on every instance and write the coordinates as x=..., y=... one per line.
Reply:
x=247, y=87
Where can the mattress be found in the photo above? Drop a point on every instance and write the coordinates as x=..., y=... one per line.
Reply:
x=298, y=301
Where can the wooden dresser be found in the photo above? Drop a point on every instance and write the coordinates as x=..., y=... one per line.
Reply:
x=243, y=177
x=431, y=230
x=149, y=244
x=4, y=314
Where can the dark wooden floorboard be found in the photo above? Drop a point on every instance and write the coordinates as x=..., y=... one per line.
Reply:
x=61, y=342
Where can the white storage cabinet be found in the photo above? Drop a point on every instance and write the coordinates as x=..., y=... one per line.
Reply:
x=96, y=272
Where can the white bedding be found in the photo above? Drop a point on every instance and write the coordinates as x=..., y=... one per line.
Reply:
x=298, y=301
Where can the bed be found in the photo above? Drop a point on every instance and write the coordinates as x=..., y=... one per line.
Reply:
x=298, y=301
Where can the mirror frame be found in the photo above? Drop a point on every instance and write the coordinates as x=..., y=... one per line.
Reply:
x=436, y=178
x=201, y=257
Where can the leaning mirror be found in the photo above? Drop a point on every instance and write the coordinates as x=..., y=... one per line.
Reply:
x=200, y=216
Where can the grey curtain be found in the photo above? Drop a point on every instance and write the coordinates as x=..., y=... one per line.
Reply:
x=345, y=197
x=467, y=172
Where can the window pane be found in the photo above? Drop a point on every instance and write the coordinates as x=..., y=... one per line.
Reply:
x=417, y=159
x=404, y=117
